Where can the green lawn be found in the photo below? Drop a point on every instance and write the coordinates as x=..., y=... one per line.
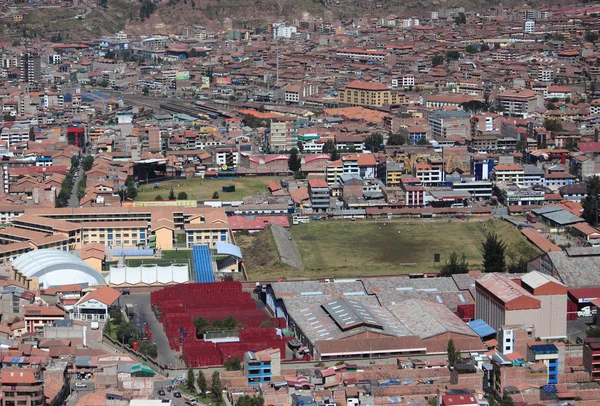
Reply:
x=203, y=189
x=343, y=248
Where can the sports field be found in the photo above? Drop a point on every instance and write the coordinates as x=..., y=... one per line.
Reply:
x=367, y=247
x=203, y=189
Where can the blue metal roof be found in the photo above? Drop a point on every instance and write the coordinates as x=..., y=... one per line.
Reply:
x=544, y=349
x=229, y=249
x=481, y=328
x=203, y=269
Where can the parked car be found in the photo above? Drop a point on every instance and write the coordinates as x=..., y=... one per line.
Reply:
x=177, y=394
x=161, y=392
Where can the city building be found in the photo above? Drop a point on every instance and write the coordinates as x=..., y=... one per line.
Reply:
x=318, y=190
x=22, y=386
x=369, y=94
x=261, y=366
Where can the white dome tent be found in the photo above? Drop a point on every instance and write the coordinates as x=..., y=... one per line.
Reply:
x=55, y=267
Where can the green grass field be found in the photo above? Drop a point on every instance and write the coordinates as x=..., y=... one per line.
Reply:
x=203, y=189
x=367, y=247
x=261, y=258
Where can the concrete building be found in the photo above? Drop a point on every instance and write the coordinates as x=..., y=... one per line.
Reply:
x=509, y=173
x=318, y=190
x=30, y=67
x=549, y=355
x=283, y=135
x=514, y=338
x=529, y=27
x=537, y=299
x=261, y=366
x=22, y=386
x=446, y=123
x=520, y=103
x=591, y=357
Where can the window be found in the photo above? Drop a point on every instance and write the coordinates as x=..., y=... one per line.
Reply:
x=507, y=348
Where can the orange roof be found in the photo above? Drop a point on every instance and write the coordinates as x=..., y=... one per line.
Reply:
x=358, y=84
x=16, y=376
x=39, y=311
x=585, y=228
x=508, y=168
x=317, y=183
x=539, y=240
x=103, y=294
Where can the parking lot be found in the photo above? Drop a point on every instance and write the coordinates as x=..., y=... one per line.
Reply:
x=577, y=328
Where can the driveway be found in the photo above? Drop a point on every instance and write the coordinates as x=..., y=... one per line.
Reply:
x=73, y=200
x=141, y=302
x=286, y=247
x=577, y=328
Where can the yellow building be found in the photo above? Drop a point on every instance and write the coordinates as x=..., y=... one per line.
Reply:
x=358, y=93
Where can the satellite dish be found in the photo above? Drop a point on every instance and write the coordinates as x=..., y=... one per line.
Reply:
x=224, y=167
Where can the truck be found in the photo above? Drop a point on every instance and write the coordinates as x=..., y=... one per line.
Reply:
x=95, y=325
x=129, y=309
x=531, y=217
x=586, y=312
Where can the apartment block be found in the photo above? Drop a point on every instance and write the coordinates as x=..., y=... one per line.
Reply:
x=318, y=190
x=262, y=366
x=357, y=93
x=549, y=355
x=283, y=135
x=520, y=103
x=591, y=357
x=509, y=173
x=22, y=386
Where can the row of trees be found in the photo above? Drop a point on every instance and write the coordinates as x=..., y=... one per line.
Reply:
x=216, y=387
x=126, y=333
x=494, y=253
x=203, y=325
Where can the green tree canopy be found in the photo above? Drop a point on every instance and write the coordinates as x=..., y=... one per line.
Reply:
x=454, y=265
x=182, y=196
x=294, y=161
x=171, y=194
x=374, y=142
x=453, y=355
x=190, y=380
x=216, y=389
x=591, y=201
x=493, y=250
x=201, y=382
x=248, y=400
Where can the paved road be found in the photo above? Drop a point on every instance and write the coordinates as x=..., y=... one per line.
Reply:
x=73, y=200
x=141, y=301
x=286, y=248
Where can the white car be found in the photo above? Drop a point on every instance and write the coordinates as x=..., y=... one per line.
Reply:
x=80, y=385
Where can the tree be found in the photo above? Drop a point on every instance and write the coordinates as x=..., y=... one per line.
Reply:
x=131, y=189
x=437, y=60
x=107, y=327
x=484, y=48
x=232, y=364
x=593, y=332
x=300, y=146
x=171, y=194
x=453, y=355
x=452, y=55
x=493, y=251
x=159, y=198
x=460, y=19
x=201, y=382
x=474, y=106
x=126, y=333
x=396, y=139
x=75, y=161
x=328, y=146
x=215, y=195
x=551, y=106
x=552, y=125
x=519, y=266
x=591, y=36
x=248, y=400
x=506, y=400
x=471, y=49
x=145, y=90
x=189, y=382
x=230, y=323
x=116, y=315
x=454, y=266
x=521, y=145
x=267, y=323
x=148, y=348
x=216, y=387
x=374, y=142
x=423, y=141
x=294, y=161
x=201, y=325
x=590, y=202
x=87, y=163
x=182, y=196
